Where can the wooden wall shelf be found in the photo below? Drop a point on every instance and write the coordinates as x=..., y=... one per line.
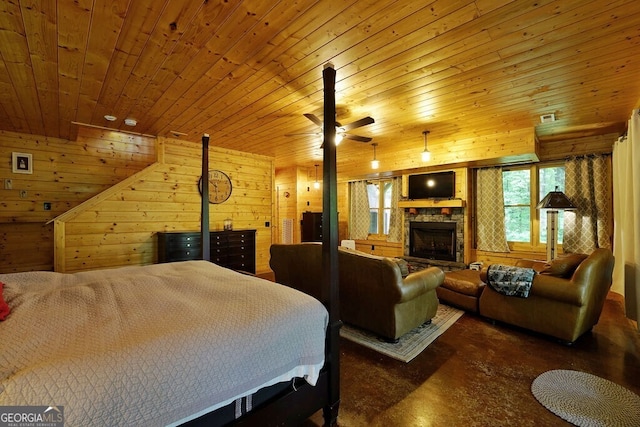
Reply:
x=430, y=203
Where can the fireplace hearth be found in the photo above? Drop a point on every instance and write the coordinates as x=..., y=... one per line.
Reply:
x=432, y=240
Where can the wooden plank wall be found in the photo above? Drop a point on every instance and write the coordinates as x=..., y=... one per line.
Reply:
x=286, y=202
x=309, y=198
x=298, y=182
x=121, y=229
x=65, y=173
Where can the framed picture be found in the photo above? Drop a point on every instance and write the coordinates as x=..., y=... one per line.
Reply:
x=21, y=163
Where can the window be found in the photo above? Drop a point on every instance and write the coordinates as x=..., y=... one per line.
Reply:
x=523, y=188
x=516, y=186
x=379, y=206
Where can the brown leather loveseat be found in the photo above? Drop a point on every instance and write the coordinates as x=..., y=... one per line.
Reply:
x=565, y=301
x=373, y=294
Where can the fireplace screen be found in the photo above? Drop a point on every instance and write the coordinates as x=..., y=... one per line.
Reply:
x=433, y=240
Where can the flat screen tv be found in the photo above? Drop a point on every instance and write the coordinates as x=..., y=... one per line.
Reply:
x=437, y=185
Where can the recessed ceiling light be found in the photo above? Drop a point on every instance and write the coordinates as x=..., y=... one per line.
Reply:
x=130, y=122
x=110, y=118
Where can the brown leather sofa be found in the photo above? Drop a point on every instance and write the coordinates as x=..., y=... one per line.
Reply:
x=563, y=303
x=373, y=294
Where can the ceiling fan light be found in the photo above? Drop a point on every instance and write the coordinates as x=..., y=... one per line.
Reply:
x=339, y=138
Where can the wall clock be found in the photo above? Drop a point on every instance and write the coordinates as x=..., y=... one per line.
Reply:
x=219, y=186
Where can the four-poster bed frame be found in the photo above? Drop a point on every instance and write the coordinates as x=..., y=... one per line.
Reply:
x=178, y=343
x=298, y=402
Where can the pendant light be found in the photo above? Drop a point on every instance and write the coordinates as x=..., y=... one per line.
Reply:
x=316, y=184
x=426, y=154
x=375, y=164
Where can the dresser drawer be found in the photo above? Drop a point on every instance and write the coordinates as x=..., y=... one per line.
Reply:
x=241, y=250
x=234, y=249
x=179, y=246
x=248, y=266
x=183, y=254
x=240, y=238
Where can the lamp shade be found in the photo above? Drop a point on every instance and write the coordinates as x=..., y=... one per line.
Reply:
x=555, y=200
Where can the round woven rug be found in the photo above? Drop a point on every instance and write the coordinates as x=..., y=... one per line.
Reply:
x=586, y=400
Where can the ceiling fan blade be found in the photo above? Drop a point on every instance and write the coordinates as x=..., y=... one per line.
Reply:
x=362, y=122
x=357, y=137
x=314, y=119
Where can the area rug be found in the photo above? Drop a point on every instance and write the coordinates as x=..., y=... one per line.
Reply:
x=413, y=342
x=586, y=400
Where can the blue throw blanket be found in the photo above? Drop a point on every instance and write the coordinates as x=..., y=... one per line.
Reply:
x=510, y=280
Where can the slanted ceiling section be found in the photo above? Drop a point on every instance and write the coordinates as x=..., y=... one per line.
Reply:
x=118, y=227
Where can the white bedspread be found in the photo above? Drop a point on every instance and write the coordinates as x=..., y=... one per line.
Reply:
x=152, y=345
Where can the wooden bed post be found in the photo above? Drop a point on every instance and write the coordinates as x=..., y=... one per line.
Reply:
x=330, y=245
x=204, y=216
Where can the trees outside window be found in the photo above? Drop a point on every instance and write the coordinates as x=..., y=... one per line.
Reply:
x=523, y=188
x=516, y=186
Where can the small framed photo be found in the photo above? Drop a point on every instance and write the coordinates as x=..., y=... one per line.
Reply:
x=21, y=163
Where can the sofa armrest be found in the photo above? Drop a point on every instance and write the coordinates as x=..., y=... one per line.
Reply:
x=537, y=265
x=416, y=284
x=559, y=289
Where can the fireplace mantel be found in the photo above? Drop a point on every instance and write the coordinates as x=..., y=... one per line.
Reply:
x=431, y=203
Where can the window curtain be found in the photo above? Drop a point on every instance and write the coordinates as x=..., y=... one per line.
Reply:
x=396, y=220
x=588, y=186
x=359, y=220
x=626, y=207
x=490, y=221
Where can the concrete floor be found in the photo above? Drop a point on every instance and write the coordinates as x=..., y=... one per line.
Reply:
x=480, y=374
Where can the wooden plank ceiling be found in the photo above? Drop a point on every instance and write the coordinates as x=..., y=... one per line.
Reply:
x=246, y=71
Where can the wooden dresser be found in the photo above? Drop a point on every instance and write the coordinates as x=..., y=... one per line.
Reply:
x=232, y=249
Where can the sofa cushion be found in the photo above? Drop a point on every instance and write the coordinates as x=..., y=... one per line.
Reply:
x=466, y=282
x=564, y=265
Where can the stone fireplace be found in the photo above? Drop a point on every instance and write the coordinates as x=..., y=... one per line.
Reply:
x=444, y=233
x=433, y=240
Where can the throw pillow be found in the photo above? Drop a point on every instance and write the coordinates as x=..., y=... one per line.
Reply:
x=404, y=266
x=4, y=307
x=563, y=266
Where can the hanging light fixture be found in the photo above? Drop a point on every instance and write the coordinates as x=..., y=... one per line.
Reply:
x=316, y=184
x=426, y=154
x=375, y=164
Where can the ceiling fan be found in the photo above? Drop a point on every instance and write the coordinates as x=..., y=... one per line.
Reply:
x=341, y=130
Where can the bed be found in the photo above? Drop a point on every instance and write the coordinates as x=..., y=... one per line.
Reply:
x=179, y=343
